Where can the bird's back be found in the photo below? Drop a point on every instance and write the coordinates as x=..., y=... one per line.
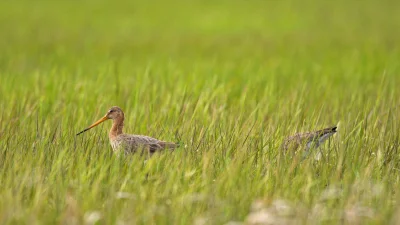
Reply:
x=133, y=143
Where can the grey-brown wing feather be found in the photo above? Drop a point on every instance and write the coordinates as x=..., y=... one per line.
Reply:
x=297, y=140
x=133, y=143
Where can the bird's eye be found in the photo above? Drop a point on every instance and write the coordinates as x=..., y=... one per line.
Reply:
x=111, y=111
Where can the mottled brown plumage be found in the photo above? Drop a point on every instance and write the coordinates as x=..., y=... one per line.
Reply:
x=129, y=143
x=308, y=140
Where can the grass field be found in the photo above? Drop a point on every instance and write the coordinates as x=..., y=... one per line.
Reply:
x=229, y=79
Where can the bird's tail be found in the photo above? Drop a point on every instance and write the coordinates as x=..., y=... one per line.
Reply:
x=169, y=145
x=329, y=130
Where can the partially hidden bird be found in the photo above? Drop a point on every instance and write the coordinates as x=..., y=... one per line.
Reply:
x=129, y=143
x=308, y=140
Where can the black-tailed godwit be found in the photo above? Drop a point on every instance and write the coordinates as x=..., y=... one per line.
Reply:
x=129, y=143
x=309, y=139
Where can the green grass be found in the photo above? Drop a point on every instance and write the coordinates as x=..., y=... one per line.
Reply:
x=230, y=79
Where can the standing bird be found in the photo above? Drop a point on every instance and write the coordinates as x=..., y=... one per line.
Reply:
x=129, y=143
x=308, y=140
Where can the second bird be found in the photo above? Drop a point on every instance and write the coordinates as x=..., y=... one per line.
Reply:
x=309, y=139
x=129, y=143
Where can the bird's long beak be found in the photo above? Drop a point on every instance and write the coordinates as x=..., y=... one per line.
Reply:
x=93, y=125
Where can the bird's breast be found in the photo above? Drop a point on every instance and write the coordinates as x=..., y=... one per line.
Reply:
x=115, y=144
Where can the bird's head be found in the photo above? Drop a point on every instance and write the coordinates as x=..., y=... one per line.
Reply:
x=114, y=113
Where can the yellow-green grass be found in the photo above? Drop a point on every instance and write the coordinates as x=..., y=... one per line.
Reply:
x=229, y=79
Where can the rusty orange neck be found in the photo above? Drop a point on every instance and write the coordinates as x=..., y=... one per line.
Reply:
x=116, y=129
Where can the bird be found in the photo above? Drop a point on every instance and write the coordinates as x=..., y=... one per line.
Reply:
x=129, y=143
x=308, y=140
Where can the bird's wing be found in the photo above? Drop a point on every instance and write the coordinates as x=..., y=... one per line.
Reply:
x=147, y=143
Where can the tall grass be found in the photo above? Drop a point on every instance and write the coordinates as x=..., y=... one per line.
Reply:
x=230, y=79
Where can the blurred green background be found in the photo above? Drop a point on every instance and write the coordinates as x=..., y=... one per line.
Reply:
x=266, y=31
